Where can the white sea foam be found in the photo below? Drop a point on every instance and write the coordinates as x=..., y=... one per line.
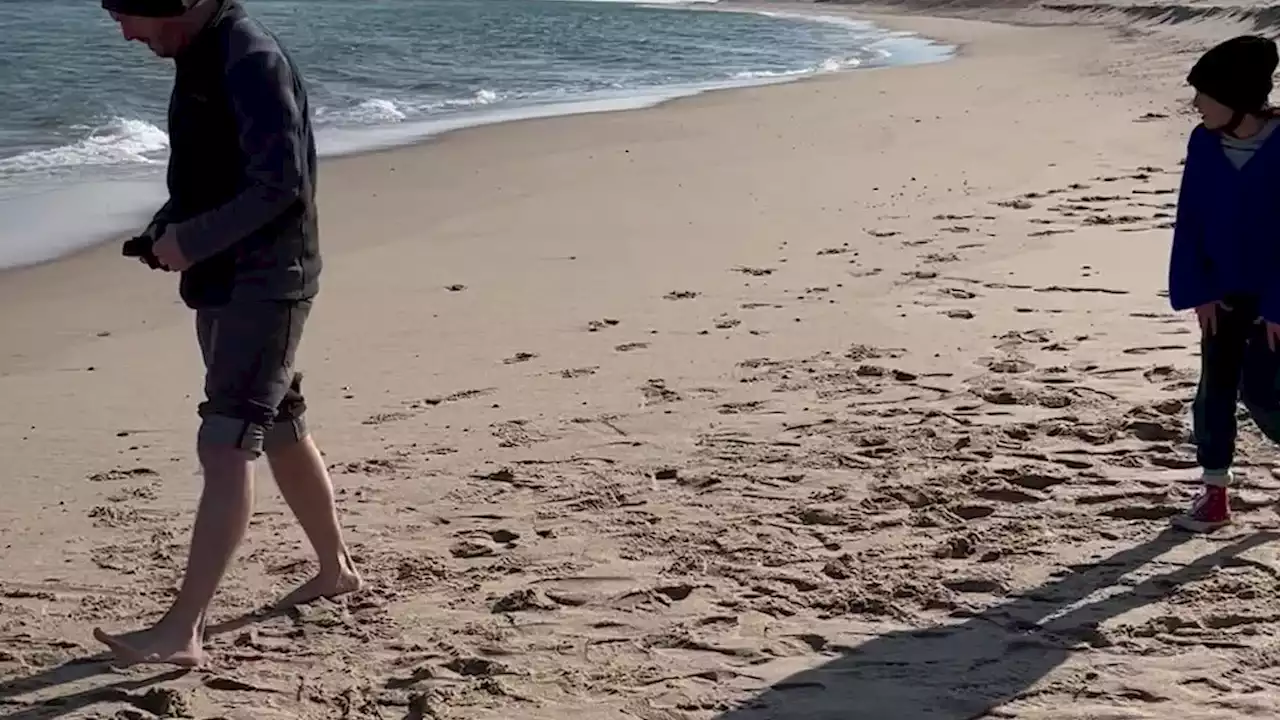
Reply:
x=826, y=66
x=119, y=141
x=380, y=111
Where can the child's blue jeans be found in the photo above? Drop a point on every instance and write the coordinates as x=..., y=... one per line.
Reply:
x=1235, y=364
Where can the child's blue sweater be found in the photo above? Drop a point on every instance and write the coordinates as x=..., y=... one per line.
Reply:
x=1227, y=237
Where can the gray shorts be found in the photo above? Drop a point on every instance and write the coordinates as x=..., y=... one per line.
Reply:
x=253, y=395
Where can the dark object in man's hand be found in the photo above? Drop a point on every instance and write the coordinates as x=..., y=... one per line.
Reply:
x=141, y=247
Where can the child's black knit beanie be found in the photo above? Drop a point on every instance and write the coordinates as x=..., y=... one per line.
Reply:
x=1237, y=73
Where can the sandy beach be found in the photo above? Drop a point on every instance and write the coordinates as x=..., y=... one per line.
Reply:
x=851, y=398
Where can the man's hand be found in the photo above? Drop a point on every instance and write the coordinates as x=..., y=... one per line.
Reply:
x=1207, y=314
x=168, y=252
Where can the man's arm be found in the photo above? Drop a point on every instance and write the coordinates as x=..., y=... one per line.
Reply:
x=270, y=125
x=159, y=221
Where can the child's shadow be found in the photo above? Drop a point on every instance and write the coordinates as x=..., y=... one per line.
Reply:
x=961, y=672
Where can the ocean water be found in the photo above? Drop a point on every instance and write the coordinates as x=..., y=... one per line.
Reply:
x=82, y=144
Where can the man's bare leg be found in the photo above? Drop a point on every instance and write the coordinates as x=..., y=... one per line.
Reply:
x=304, y=482
x=221, y=522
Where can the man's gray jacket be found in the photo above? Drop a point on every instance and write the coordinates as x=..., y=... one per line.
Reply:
x=242, y=167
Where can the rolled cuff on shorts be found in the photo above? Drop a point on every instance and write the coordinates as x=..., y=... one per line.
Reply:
x=253, y=396
x=223, y=431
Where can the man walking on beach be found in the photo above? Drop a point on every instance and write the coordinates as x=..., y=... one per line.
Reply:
x=240, y=225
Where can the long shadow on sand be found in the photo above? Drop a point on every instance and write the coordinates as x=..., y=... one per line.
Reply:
x=89, y=668
x=963, y=671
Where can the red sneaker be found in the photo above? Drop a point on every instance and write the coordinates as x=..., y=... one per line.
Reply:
x=1209, y=511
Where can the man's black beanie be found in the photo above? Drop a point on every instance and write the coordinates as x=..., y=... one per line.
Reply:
x=148, y=8
x=1237, y=73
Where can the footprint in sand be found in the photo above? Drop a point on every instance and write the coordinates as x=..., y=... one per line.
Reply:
x=1003, y=493
x=958, y=293
x=739, y=408
x=976, y=585
x=920, y=275
x=1080, y=290
x=121, y=474
x=524, y=600
x=516, y=433
x=727, y=323
x=572, y=373
x=1108, y=219
x=471, y=549
x=1007, y=366
x=114, y=517
x=655, y=391
x=939, y=258
x=387, y=417
x=372, y=467
x=1151, y=349
x=131, y=494
x=598, y=325
x=1016, y=204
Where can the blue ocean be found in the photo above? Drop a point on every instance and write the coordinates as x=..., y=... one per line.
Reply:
x=82, y=141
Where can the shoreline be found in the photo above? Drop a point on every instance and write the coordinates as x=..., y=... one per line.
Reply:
x=386, y=138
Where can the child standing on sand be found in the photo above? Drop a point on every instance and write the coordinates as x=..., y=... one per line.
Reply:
x=1226, y=259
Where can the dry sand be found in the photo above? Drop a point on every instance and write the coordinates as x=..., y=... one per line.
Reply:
x=854, y=398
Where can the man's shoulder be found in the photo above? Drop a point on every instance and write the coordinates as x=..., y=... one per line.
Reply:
x=242, y=36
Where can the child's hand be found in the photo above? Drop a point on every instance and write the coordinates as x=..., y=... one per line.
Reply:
x=1273, y=335
x=1207, y=314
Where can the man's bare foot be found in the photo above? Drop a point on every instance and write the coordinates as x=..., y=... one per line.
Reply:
x=323, y=586
x=154, y=646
